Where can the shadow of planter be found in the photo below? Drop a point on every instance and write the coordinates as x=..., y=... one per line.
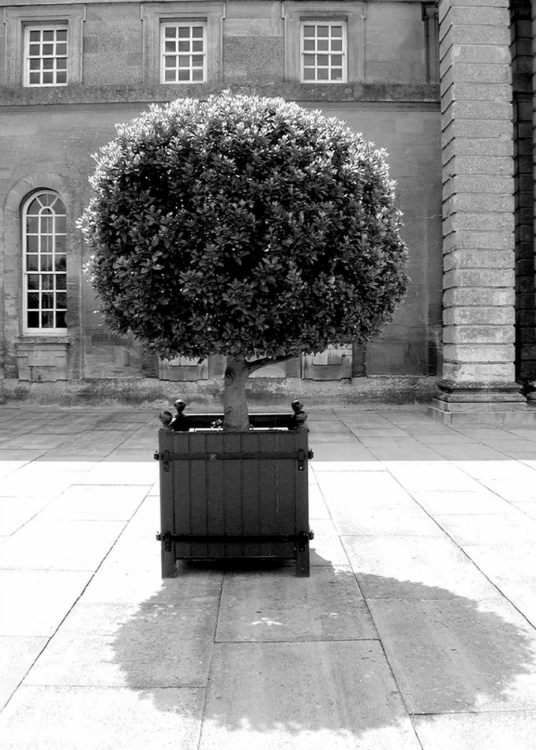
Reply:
x=325, y=690
x=234, y=494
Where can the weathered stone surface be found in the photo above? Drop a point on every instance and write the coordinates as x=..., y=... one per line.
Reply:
x=471, y=220
x=472, y=655
x=464, y=503
x=137, y=657
x=460, y=372
x=489, y=334
x=478, y=353
x=414, y=568
x=510, y=527
x=60, y=545
x=482, y=53
x=86, y=718
x=17, y=654
x=477, y=316
x=468, y=731
x=97, y=503
x=277, y=606
x=484, y=278
x=314, y=695
x=34, y=602
x=462, y=109
x=477, y=240
x=17, y=511
x=326, y=548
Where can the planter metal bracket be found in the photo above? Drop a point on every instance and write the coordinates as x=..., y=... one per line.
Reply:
x=166, y=457
x=302, y=538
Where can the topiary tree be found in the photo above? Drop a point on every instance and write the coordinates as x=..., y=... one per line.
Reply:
x=243, y=226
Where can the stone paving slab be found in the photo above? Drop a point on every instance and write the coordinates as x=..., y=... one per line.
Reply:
x=7, y=467
x=59, y=545
x=454, y=502
x=492, y=731
x=458, y=655
x=360, y=520
x=17, y=511
x=336, y=463
x=317, y=505
x=512, y=568
x=341, y=451
x=529, y=509
x=97, y=503
x=355, y=490
x=420, y=475
x=290, y=696
x=25, y=455
x=326, y=548
x=274, y=606
x=401, y=449
x=511, y=527
x=17, y=654
x=504, y=470
x=391, y=567
x=80, y=718
x=15, y=484
x=119, y=473
x=514, y=490
x=422, y=569
x=141, y=657
x=34, y=602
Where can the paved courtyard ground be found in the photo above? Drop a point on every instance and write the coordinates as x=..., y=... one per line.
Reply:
x=415, y=630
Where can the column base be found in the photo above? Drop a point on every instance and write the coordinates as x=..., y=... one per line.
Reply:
x=488, y=404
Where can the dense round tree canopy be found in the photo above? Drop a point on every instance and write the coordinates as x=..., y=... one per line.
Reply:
x=243, y=226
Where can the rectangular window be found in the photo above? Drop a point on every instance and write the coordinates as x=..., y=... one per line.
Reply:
x=45, y=55
x=183, y=52
x=323, y=52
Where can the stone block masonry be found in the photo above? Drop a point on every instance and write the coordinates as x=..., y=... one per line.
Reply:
x=478, y=212
x=522, y=61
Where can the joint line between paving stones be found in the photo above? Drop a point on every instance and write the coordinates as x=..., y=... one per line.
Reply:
x=312, y=641
x=466, y=555
x=45, y=646
x=484, y=712
x=410, y=716
x=209, y=671
x=378, y=639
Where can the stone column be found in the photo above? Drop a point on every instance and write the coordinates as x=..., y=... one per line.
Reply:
x=528, y=316
x=478, y=215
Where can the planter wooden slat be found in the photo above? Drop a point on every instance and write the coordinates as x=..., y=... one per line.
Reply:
x=218, y=494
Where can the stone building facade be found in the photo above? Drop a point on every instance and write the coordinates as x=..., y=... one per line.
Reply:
x=445, y=88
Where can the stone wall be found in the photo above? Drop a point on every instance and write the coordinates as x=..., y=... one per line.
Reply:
x=391, y=97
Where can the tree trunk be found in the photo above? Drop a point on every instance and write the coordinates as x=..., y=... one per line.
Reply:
x=235, y=406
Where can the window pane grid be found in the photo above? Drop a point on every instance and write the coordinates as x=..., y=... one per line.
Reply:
x=45, y=263
x=183, y=48
x=323, y=52
x=46, y=56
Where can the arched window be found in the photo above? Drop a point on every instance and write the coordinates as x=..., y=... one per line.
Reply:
x=45, y=263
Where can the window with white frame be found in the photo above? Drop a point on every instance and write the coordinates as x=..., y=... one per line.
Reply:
x=45, y=55
x=45, y=263
x=323, y=52
x=182, y=42
x=183, y=48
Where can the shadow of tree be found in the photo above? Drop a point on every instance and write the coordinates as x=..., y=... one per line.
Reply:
x=447, y=653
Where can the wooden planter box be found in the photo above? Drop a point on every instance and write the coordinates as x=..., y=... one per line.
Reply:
x=234, y=495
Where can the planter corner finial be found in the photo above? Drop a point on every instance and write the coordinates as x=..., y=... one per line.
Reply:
x=299, y=418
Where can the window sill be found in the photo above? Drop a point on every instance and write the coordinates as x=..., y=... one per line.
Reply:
x=44, y=338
